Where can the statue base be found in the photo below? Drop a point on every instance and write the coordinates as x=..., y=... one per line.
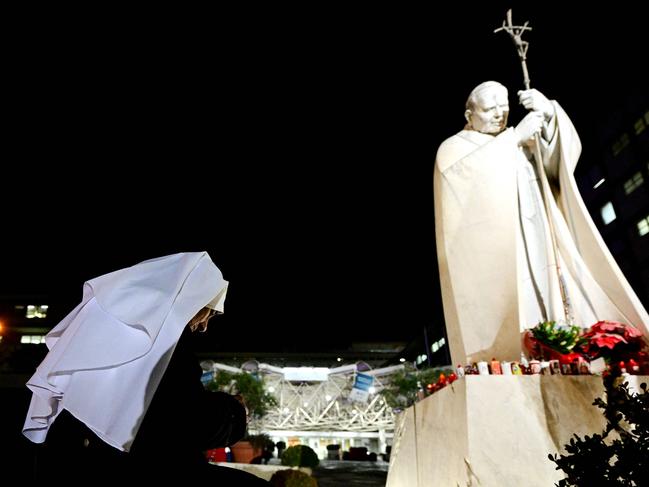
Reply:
x=495, y=430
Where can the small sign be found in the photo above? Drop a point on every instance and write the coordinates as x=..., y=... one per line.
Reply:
x=361, y=389
x=597, y=366
x=207, y=377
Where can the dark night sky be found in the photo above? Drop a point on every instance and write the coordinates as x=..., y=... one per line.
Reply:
x=296, y=147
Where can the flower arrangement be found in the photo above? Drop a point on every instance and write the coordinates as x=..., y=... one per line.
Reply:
x=550, y=340
x=613, y=341
x=610, y=340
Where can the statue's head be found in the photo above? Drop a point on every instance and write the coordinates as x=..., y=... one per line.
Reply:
x=487, y=108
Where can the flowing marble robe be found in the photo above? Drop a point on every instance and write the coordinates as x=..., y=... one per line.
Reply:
x=494, y=248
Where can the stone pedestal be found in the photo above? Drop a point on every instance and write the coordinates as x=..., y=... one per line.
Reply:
x=494, y=430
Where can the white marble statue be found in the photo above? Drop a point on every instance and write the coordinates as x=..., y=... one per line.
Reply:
x=494, y=238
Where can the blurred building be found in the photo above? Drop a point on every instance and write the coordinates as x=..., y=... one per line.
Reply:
x=614, y=183
x=24, y=321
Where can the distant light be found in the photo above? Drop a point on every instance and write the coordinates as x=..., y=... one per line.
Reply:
x=599, y=183
x=306, y=374
x=372, y=390
x=1, y=326
x=287, y=410
x=327, y=397
x=227, y=449
x=643, y=227
x=339, y=359
x=36, y=311
x=608, y=213
x=402, y=360
x=32, y=339
x=306, y=404
x=271, y=389
x=354, y=411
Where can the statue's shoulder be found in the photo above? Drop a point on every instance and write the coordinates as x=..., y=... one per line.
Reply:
x=452, y=149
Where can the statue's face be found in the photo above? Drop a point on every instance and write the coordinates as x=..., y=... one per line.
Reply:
x=490, y=111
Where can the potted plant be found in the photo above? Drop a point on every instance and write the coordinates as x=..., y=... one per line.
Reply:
x=549, y=340
x=257, y=400
x=292, y=478
x=615, y=342
x=300, y=456
x=251, y=448
x=243, y=451
x=250, y=386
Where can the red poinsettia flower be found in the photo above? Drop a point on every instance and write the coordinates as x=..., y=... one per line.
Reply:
x=631, y=332
x=609, y=340
x=603, y=326
x=627, y=331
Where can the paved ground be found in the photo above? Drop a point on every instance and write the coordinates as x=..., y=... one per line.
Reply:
x=332, y=473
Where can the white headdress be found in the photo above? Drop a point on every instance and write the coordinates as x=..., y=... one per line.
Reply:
x=106, y=358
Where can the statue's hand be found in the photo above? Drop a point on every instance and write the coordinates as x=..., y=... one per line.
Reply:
x=535, y=100
x=531, y=124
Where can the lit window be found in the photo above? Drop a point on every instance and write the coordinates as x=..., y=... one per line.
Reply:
x=632, y=184
x=620, y=144
x=36, y=311
x=608, y=213
x=32, y=339
x=438, y=344
x=643, y=226
x=639, y=126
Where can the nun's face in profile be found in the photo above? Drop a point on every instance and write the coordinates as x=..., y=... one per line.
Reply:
x=200, y=320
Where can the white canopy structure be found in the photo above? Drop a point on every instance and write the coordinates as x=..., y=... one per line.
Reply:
x=319, y=401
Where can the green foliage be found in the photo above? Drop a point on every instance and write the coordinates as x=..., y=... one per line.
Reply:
x=402, y=390
x=292, y=478
x=249, y=386
x=560, y=338
x=261, y=441
x=620, y=455
x=300, y=456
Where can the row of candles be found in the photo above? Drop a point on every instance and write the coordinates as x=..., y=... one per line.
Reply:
x=578, y=366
